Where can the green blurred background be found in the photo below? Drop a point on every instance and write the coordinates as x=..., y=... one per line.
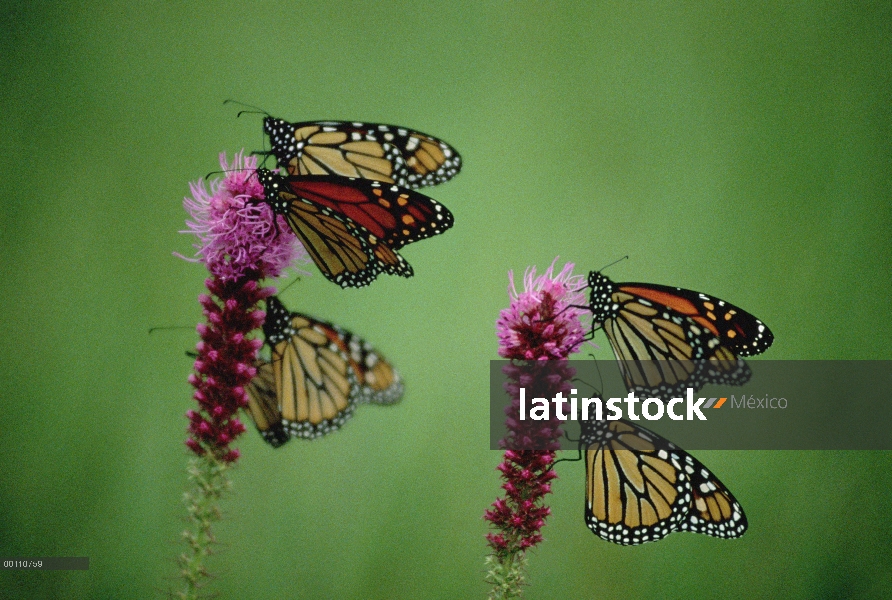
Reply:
x=741, y=150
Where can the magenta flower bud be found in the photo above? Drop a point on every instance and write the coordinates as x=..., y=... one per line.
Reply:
x=258, y=317
x=242, y=368
x=194, y=446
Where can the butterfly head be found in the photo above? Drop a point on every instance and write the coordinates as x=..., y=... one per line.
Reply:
x=600, y=296
x=278, y=320
x=272, y=185
x=278, y=131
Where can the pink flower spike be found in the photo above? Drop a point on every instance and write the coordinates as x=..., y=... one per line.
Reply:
x=240, y=244
x=541, y=324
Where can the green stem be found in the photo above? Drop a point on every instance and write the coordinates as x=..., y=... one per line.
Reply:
x=507, y=574
x=209, y=481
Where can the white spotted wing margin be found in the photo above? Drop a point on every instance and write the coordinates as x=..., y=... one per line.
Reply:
x=641, y=487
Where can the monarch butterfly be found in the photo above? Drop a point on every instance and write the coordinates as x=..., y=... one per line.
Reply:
x=384, y=153
x=667, y=338
x=317, y=374
x=352, y=228
x=641, y=487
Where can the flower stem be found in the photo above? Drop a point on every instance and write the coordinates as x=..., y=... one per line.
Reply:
x=506, y=574
x=209, y=481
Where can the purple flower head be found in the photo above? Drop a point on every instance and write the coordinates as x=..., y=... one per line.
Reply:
x=543, y=321
x=236, y=232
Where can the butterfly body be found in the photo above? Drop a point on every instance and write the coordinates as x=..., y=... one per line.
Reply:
x=374, y=151
x=352, y=228
x=667, y=338
x=641, y=487
x=317, y=374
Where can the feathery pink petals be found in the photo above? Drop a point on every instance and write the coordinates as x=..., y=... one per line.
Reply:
x=236, y=232
x=543, y=321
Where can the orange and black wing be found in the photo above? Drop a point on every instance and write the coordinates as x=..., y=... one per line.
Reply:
x=668, y=339
x=379, y=381
x=345, y=251
x=395, y=216
x=640, y=487
x=385, y=153
x=317, y=375
x=263, y=405
x=315, y=385
x=738, y=330
x=636, y=488
x=714, y=510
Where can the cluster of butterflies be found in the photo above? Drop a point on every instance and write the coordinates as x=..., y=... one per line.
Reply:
x=640, y=487
x=349, y=197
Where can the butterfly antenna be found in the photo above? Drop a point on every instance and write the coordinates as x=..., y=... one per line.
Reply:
x=264, y=153
x=254, y=109
x=296, y=279
x=568, y=438
x=587, y=384
x=619, y=260
x=208, y=176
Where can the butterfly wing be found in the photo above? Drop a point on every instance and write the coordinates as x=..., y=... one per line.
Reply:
x=316, y=387
x=345, y=251
x=365, y=150
x=263, y=405
x=393, y=215
x=665, y=342
x=714, y=510
x=738, y=330
x=636, y=489
x=318, y=373
x=640, y=487
x=379, y=381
